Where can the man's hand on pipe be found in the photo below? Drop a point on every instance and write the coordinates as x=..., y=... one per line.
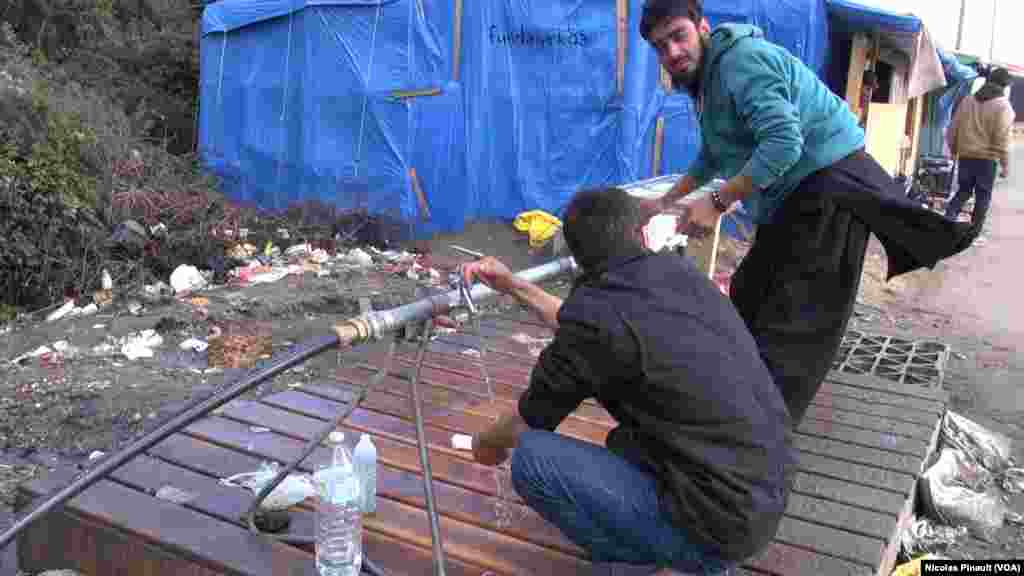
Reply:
x=492, y=272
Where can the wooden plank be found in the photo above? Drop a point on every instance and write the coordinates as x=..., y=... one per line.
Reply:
x=837, y=543
x=421, y=198
x=867, y=475
x=467, y=413
x=786, y=560
x=469, y=542
x=64, y=540
x=869, y=422
x=222, y=546
x=875, y=383
x=397, y=452
x=850, y=496
x=869, y=438
x=835, y=489
x=855, y=73
x=230, y=504
x=455, y=388
x=882, y=398
x=812, y=463
x=659, y=143
x=848, y=518
x=840, y=450
x=440, y=377
x=898, y=414
x=866, y=497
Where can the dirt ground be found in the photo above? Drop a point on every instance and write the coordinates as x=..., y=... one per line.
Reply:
x=61, y=412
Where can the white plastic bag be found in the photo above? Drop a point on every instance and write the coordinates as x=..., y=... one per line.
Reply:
x=293, y=489
x=186, y=278
x=990, y=449
x=958, y=492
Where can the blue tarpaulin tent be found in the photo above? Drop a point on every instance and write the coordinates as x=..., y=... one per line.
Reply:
x=308, y=100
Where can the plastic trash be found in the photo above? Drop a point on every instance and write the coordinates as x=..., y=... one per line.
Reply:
x=462, y=442
x=357, y=257
x=194, y=344
x=61, y=312
x=1012, y=480
x=293, y=489
x=956, y=491
x=913, y=568
x=107, y=282
x=925, y=536
x=186, y=278
x=141, y=345
x=539, y=225
x=660, y=233
x=990, y=449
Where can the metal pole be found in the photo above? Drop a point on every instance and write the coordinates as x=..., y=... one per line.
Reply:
x=960, y=27
x=421, y=442
x=992, y=40
x=380, y=322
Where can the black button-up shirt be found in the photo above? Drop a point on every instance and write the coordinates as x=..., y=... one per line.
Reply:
x=667, y=355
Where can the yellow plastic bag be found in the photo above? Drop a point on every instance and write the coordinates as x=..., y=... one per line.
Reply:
x=913, y=568
x=540, y=225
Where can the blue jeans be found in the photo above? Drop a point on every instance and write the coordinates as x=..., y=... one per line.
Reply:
x=977, y=178
x=604, y=504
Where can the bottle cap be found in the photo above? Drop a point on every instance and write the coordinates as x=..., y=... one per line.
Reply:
x=336, y=437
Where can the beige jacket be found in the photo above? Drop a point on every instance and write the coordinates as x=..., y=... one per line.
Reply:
x=982, y=129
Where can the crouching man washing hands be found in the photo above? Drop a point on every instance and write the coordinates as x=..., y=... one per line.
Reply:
x=695, y=477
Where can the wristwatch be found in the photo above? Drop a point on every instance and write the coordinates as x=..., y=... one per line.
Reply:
x=716, y=199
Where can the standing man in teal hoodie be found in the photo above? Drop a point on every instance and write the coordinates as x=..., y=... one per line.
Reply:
x=793, y=152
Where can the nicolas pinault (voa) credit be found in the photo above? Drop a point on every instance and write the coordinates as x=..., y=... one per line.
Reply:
x=972, y=566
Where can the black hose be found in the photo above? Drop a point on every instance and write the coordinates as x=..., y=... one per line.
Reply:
x=194, y=411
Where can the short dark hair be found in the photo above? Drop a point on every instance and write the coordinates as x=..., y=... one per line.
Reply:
x=599, y=222
x=1000, y=76
x=656, y=11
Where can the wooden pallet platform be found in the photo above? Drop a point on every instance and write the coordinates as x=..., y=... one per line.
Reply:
x=862, y=446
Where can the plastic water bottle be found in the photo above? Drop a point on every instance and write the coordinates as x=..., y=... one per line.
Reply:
x=339, y=526
x=365, y=457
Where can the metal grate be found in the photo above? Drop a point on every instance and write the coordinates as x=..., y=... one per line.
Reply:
x=896, y=359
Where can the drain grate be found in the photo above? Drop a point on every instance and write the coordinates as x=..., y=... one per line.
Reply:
x=896, y=359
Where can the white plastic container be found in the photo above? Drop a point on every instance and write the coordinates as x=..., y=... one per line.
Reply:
x=365, y=458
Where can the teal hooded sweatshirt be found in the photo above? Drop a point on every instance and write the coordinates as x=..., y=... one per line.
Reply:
x=765, y=114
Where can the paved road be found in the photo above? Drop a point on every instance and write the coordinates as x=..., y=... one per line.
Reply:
x=983, y=290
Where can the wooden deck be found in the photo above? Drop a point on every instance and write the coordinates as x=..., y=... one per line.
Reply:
x=861, y=445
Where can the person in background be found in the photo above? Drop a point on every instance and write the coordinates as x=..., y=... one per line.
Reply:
x=793, y=153
x=697, y=473
x=979, y=138
x=867, y=92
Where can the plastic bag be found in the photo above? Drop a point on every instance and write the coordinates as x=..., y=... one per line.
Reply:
x=293, y=489
x=958, y=492
x=924, y=536
x=1012, y=480
x=540, y=225
x=990, y=449
x=913, y=568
